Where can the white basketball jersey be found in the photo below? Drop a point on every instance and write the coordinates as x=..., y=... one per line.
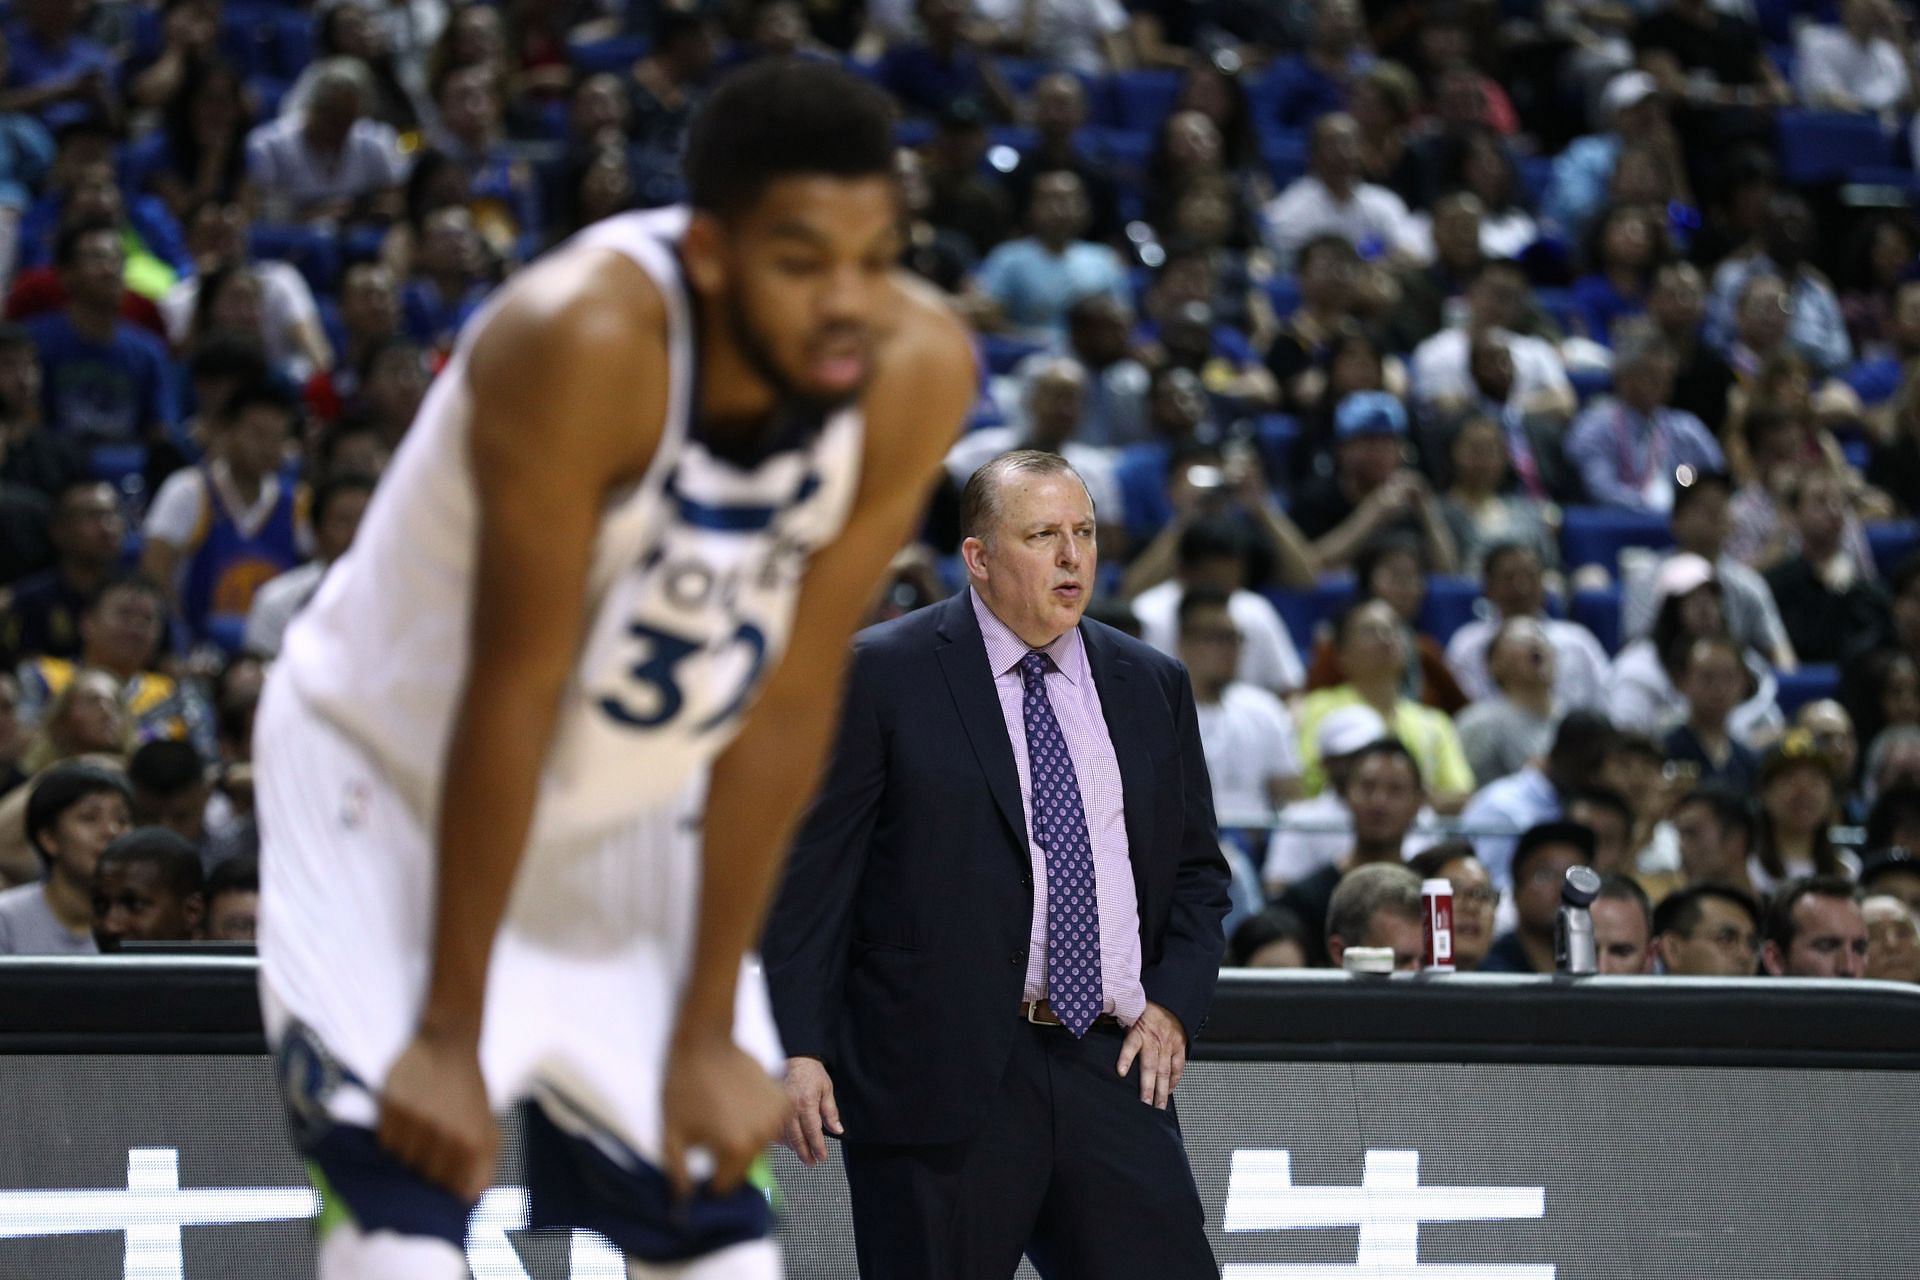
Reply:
x=695, y=573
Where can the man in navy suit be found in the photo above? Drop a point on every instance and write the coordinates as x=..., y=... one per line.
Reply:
x=1001, y=924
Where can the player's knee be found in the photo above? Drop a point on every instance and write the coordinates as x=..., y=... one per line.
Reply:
x=347, y=1253
x=755, y=1260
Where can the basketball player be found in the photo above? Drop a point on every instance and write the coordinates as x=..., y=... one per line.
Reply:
x=529, y=758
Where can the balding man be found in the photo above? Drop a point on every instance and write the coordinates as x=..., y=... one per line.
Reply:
x=1001, y=922
x=327, y=160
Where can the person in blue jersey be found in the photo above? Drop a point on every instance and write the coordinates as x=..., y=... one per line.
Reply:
x=527, y=762
x=216, y=533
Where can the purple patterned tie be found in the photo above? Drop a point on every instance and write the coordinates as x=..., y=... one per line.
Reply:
x=1060, y=828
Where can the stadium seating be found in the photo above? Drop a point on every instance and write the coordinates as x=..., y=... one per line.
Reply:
x=1596, y=535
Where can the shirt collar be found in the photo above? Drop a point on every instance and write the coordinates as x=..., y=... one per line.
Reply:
x=1005, y=649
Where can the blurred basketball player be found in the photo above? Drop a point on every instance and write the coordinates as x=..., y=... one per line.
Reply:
x=530, y=758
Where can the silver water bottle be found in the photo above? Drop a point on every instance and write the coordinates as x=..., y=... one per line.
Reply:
x=1573, y=946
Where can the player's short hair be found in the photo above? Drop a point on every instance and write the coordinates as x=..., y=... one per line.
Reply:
x=1364, y=891
x=166, y=768
x=783, y=118
x=980, y=500
x=60, y=788
x=169, y=852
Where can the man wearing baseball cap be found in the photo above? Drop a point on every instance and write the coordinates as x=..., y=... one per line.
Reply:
x=1317, y=833
x=1372, y=489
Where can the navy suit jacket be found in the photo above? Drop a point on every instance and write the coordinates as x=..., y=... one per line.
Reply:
x=896, y=951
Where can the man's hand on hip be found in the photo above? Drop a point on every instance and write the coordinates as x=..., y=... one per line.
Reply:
x=813, y=1113
x=1160, y=1043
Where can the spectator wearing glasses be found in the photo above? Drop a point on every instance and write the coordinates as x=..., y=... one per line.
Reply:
x=1707, y=931
x=1815, y=929
x=1475, y=900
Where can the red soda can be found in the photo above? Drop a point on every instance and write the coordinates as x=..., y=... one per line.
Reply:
x=1436, y=926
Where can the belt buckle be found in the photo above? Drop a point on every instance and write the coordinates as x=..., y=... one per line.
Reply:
x=1035, y=1009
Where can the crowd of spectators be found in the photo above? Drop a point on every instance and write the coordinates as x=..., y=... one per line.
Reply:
x=1508, y=413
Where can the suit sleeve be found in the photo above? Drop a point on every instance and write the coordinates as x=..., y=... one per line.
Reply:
x=809, y=931
x=1182, y=980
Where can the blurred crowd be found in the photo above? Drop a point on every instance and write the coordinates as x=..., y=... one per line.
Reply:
x=1506, y=410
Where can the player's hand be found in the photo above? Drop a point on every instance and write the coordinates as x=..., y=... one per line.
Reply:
x=719, y=1100
x=434, y=1115
x=813, y=1113
x=1160, y=1043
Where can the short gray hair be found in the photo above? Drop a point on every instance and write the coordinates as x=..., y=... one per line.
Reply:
x=340, y=73
x=1363, y=891
x=1637, y=341
x=1884, y=744
x=980, y=500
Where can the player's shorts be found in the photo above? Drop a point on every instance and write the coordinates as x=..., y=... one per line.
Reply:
x=582, y=994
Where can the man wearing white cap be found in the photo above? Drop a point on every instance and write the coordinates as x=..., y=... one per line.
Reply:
x=1317, y=833
x=1637, y=116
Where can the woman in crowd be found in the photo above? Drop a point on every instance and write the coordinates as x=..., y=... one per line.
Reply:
x=1394, y=569
x=1627, y=247
x=1798, y=802
x=201, y=148
x=1478, y=507
x=1643, y=695
x=1885, y=255
x=1385, y=102
x=86, y=718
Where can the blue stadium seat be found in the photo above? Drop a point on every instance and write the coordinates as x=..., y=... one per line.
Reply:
x=1559, y=306
x=1824, y=146
x=1599, y=612
x=1590, y=383
x=1021, y=75
x=1891, y=542
x=227, y=631
x=1449, y=605
x=293, y=44
x=117, y=463
x=1303, y=610
x=1002, y=354
x=1808, y=684
x=1285, y=158
x=1138, y=100
x=1123, y=153
x=912, y=132
x=1595, y=535
x=1874, y=381
x=314, y=251
x=616, y=54
x=1283, y=292
x=1536, y=174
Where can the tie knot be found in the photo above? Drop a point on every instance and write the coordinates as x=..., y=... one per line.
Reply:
x=1034, y=665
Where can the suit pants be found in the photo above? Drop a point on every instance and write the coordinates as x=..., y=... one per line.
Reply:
x=1069, y=1167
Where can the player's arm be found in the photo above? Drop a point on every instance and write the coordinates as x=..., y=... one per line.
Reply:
x=764, y=779
x=562, y=386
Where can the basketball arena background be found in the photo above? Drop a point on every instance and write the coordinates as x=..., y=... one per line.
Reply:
x=1469, y=1128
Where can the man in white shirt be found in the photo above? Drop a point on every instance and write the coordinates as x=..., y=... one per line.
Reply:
x=338, y=505
x=328, y=161
x=1053, y=405
x=1085, y=36
x=1331, y=198
x=291, y=331
x=1516, y=588
x=1857, y=65
x=1533, y=379
x=1246, y=732
x=1317, y=833
x=1212, y=554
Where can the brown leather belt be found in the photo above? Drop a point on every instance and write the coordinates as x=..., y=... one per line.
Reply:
x=1041, y=1014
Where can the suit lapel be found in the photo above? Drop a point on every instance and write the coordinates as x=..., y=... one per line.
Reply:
x=962, y=655
x=1125, y=707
